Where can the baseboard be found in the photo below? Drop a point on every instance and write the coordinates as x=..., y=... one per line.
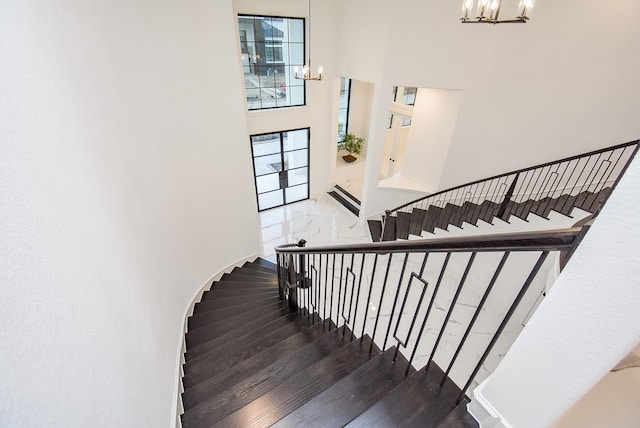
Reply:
x=483, y=412
x=179, y=387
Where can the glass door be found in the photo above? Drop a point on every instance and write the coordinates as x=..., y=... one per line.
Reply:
x=281, y=167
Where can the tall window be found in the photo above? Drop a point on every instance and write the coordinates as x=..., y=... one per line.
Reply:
x=271, y=47
x=343, y=107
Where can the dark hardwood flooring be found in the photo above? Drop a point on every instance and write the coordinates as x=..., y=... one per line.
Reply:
x=250, y=362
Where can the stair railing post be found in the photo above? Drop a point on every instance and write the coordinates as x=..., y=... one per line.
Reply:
x=302, y=274
x=291, y=282
x=507, y=198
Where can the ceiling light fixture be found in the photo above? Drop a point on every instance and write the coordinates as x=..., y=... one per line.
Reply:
x=487, y=12
x=306, y=69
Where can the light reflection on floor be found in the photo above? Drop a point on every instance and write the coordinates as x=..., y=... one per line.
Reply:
x=318, y=221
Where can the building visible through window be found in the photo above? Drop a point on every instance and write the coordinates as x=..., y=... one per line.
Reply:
x=271, y=47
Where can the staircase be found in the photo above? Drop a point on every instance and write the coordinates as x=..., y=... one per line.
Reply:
x=421, y=222
x=581, y=182
x=252, y=362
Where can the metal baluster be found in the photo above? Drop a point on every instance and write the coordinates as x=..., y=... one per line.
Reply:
x=366, y=311
x=339, y=290
x=570, y=184
x=505, y=320
x=384, y=287
x=326, y=290
x=344, y=303
x=355, y=312
x=426, y=315
x=507, y=198
x=476, y=314
x=451, y=308
x=333, y=277
x=395, y=299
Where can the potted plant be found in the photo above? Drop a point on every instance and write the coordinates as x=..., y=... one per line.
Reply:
x=352, y=144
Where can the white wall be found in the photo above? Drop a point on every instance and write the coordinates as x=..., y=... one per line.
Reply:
x=588, y=322
x=561, y=84
x=122, y=144
x=433, y=121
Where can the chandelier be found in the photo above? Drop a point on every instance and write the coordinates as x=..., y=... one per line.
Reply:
x=487, y=12
x=306, y=69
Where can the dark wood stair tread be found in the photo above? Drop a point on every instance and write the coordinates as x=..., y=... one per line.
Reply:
x=402, y=225
x=259, y=268
x=250, y=332
x=417, y=220
x=197, y=320
x=389, y=230
x=244, y=277
x=200, y=336
x=195, y=323
x=228, y=302
x=224, y=292
x=459, y=418
x=222, y=375
x=418, y=401
x=245, y=395
x=294, y=391
x=351, y=395
x=375, y=228
x=266, y=263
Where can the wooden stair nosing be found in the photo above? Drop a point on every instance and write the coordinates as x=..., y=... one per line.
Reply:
x=351, y=395
x=201, y=368
x=228, y=302
x=195, y=322
x=345, y=202
x=201, y=335
x=236, y=277
x=234, y=285
x=249, y=271
x=226, y=292
x=259, y=267
x=250, y=391
x=266, y=263
x=240, y=347
x=220, y=314
x=459, y=417
x=216, y=378
x=413, y=399
x=298, y=389
x=249, y=332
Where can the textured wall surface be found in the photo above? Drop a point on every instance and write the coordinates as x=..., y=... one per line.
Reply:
x=122, y=139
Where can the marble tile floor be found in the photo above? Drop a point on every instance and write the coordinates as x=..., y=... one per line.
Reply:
x=319, y=221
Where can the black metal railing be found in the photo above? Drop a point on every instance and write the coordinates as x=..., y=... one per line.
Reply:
x=584, y=181
x=457, y=302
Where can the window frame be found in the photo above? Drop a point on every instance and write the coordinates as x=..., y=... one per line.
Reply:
x=269, y=42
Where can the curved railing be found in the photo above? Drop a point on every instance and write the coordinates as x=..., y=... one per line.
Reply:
x=456, y=303
x=582, y=181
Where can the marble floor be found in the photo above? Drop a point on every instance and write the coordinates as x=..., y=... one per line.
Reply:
x=318, y=221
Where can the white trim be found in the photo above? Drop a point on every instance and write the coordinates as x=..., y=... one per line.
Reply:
x=483, y=412
x=178, y=386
